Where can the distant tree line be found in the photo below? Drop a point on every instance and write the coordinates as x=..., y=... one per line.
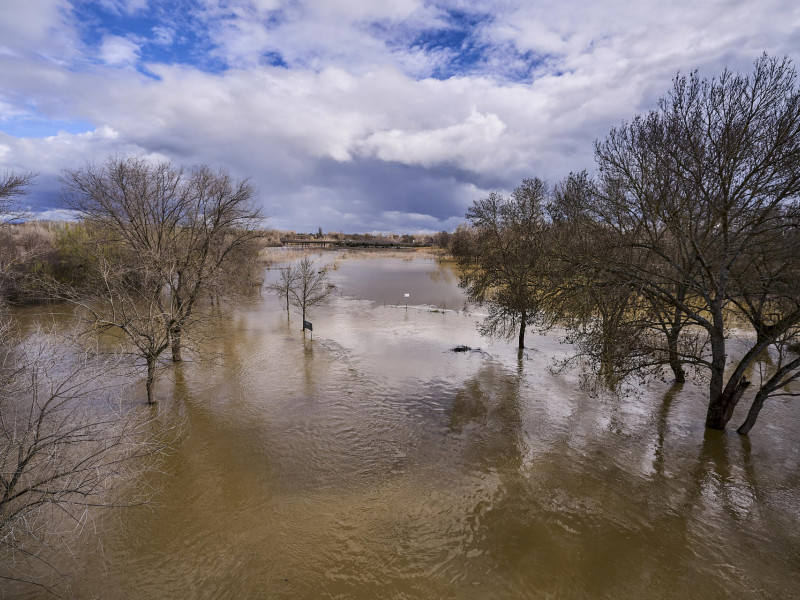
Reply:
x=689, y=230
x=440, y=239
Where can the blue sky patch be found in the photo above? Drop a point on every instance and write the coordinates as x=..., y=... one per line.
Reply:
x=42, y=127
x=169, y=33
x=274, y=59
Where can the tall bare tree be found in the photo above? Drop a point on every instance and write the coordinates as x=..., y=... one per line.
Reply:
x=186, y=226
x=218, y=225
x=701, y=199
x=619, y=328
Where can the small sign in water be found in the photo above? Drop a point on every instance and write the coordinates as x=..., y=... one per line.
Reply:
x=308, y=325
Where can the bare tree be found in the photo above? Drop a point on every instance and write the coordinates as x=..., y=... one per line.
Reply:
x=217, y=227
x=125, y=297
x=12, y=187
x=187, y=226
x=136, y=309
x=501, y=258
x=283, y=286
x=617, y=327
x=310, y=287
x=68, y=449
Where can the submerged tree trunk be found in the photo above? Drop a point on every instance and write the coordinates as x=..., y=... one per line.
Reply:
x=752, y=414
x=673, y=334
x=522, y=324
x=151, y=379
x=784, y=375
x=719, y=402
x=720, y=410
x=175, y=336
x=674, y=358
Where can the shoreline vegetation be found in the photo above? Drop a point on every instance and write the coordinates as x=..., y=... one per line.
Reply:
x=35, y=250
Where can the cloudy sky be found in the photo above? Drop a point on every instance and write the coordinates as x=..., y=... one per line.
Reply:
x=355, y=115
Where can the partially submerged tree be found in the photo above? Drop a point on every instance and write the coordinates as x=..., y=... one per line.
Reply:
x=126, y=299
x=698, y=204
x=186, y=226
x=309, y=286
x=282, y=288
x=617, y=327
x=217, y=226
x=501, y=257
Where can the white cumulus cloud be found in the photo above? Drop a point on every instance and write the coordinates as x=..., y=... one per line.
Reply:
x=118, y=51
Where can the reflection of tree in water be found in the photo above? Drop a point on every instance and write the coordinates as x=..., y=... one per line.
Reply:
x=725, y=481
x=469, y=406
x=485, y=416
x=443, y=274
x=723, y=472
x=487, y=410
x=581, y=516
x=661, y=427
x=308, y=365
x=730, y=517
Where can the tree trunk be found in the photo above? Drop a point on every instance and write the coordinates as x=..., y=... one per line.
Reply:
x=718, y=401
x=607, y=372
x=178, y=306
x=674, y=358
x=522, y=324
x=718, y=358
x=151, y=379
x=783, y=376
x=752, y=414
x=175, y=335
x=721, y=409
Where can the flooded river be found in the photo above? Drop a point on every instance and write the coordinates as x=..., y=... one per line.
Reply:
x=374, y=462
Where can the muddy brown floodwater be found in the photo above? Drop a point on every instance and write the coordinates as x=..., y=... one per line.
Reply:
x=373, y=462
